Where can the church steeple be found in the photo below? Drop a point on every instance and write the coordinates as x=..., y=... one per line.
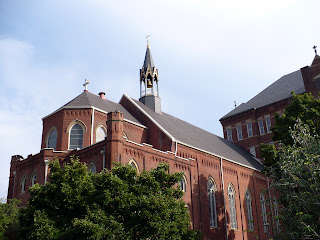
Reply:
x=149, y=88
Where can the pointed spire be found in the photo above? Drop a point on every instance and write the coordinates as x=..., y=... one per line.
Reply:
x=148, y=61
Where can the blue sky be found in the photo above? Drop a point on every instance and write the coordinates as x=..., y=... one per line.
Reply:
x=209, y=54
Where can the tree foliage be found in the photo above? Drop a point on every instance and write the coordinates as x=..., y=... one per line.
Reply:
x=9, y=219
x=116, y=204
x=296, y=182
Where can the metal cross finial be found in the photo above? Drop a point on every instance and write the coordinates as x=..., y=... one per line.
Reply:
x=147, y=37
x=86, y=82
x=315, y=49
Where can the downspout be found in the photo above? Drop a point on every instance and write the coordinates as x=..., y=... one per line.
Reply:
x=14, y=183
x=103, y=152
x=224, y=200
x=271, y=206
x=240, y=206
x=175, y=152
x=92, y=123
x=46, y=167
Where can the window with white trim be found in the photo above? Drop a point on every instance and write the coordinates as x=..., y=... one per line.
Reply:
x=264, y=213
x=249, y=129
x=211, y=187
x=133, y=164
x=249, y=210
x=229, y=134
x=253, y=151
x=268, y=124
x=261, y=127
x=92, y=168
x=232, y=205
x=182, y=184
x=239, y=132
x=101, y=134
x=52, y=139
x=33, y=178
x=76, y=136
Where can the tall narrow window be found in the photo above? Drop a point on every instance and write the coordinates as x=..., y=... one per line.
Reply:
x=92, y=168
x=23, y=184
x=229, y=134
x=52, y=139
x=264, y=213
x=268, y=124
x=133, y=164
x=261, y=127
x=249, y=129
x=239, y=132
x=249, y=210
x=101, y=134
x=76, y=137
x=232, y=204
x=276, y=214
x=212, y=203
x=182, y=184
x=33, y=178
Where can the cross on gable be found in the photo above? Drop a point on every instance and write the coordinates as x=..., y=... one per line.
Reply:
x=315, y=49
x=86, y=82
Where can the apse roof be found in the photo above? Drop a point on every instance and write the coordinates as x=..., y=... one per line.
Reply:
x=196, y=137
x=88, y=100
x=277, y=91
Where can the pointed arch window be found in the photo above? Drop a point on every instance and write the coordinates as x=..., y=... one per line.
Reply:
x=249, y=210
x=76, y=136
x=33, y=178
x=232, y=205
x=133, y=164
x=101, y=133
x=264, y=213
x=52, y=139
x=182, y=184
x=92, y=168
x=212, y=188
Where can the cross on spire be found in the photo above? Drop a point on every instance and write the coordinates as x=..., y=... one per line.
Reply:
x=315, y=49
x=86, y=82
x=147, y=37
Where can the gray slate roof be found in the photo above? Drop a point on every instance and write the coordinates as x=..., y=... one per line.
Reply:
x=148, y=61
x=279, y=90
x=199, y=138
x=87, y=99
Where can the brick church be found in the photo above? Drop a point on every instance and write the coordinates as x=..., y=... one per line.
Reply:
x=223, y=184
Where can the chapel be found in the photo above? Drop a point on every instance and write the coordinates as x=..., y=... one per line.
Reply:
x=223, y=185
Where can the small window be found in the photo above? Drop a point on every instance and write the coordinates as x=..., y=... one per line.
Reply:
x=229, y=134
x=23, y=184
x=268, y=124
x=239, y=132
x=232, y=205
x=33, y=179
x=52, y=139
x=249, y=210
x=92, y=168
x=264, y=213
x=76, y=136
x=261, y=127
x=211, y=187
x=253, y=151
x=133, y=163
x=101, y=134
x=182, y=184
x=249, y=129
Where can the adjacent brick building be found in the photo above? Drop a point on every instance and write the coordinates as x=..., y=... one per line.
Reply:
x=249, y=124
x=223, y=184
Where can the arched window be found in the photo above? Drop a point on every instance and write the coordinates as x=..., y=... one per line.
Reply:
x=76, y=137
x=133, y=164
x=101, y=134
x=211, y=187
x=276, y=214
x=33, y=178
x=52, y=139
x=23, y=184
x=182, y=184
x=249, y=210
x=92, y=168
x=232, y=204
x=264, y=213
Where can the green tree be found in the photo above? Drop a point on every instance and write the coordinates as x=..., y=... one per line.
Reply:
x=116, y=204
x=9, y=219
x=304, y=107
x=296, y=183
